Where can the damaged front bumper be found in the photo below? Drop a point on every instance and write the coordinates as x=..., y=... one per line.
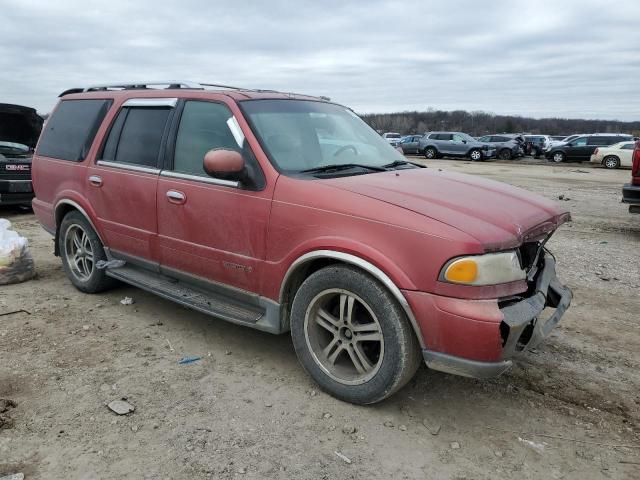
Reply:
x=521, y=328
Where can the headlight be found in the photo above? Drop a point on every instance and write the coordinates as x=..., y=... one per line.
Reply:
x=488, y=269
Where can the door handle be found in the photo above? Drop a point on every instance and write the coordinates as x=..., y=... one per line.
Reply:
x=176, y=197
x=95, y=180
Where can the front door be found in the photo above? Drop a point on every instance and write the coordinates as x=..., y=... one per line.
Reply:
x=578, y=150
x=122, y=183
x=208, y=227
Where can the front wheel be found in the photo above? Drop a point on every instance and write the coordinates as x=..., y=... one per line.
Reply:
x=558, y=157
x=475, y=155
x=351, y=335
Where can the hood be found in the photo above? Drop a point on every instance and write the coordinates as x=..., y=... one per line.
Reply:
x=19, y=124
x=496, y=214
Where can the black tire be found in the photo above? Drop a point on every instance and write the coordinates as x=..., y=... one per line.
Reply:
x=557, y=157
x=505, y=154
x=430, y=153
x=96, y=281
x=400, y=357
x=611, y=162
x=476, y=155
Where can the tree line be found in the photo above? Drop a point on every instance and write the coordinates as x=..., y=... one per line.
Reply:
x=481, y=123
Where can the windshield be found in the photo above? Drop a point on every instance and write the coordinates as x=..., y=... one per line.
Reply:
x=300, y=135
x=13, y=148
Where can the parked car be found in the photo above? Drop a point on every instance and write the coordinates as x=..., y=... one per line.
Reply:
x=286, y=212
x=631, y=191
x=410, y=144
x=581, y=148
x=536, y=145
x=507, y=146
x=614, y=156
x=558, y=138
x=454, y=144
x=19, y=130
x=393, y=138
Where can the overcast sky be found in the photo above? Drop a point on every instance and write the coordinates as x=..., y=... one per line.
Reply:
x=578, y=59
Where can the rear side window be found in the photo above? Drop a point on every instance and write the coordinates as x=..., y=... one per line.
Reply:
x=70, y=131
x=442, y=136
x=136, y=135
x=598, y=140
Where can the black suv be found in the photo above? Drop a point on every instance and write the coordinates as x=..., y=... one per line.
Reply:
x=580, y=149
x=19, y=131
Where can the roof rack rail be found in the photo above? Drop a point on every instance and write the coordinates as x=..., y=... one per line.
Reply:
x=143, y=85
x=171, y=84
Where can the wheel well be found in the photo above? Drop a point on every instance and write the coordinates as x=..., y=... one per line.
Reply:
x=294, y=281
x=61, y=212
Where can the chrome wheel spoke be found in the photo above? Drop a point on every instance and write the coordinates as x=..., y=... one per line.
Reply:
x=359, y=359
x=346, y=308
x=77, y=241
x=332, y=350
x=327, y=321
x=369, y=337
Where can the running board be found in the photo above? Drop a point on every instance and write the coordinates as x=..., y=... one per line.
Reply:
x=213, y=304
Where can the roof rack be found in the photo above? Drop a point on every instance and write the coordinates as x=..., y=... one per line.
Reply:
x=168, y=85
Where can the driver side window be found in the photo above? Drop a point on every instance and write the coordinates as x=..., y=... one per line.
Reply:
x=203, y=126
x=458, y=138
x=580, y=142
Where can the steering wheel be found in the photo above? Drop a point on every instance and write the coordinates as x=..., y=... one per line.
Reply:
x=344, y=149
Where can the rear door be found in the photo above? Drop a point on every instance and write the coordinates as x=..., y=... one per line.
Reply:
x=445, y=143
x=122, y=182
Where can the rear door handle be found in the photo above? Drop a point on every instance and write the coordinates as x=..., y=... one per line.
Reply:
x=95, y=180
x=176, y=197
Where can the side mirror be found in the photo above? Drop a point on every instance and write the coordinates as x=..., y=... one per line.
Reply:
x=223, y=163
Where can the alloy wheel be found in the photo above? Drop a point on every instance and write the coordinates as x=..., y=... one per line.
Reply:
x=611, y=162
x=79, y=252
x=558, y=157
x=476, y=155
x=344, y=336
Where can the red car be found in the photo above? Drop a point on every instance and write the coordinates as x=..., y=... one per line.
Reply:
x=286, y=212
x=631, y=191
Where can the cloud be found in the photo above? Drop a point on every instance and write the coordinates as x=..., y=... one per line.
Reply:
x=542, y=58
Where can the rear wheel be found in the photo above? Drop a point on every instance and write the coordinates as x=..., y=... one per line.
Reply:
x=351, y=335
x=430, y=153
x=505, y=154
x=475, y=155
x=611, y=162
x=81, y=249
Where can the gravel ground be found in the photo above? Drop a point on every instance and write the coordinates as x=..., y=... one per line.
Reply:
x=570, y=409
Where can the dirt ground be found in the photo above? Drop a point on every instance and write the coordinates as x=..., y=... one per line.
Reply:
x=570, y=409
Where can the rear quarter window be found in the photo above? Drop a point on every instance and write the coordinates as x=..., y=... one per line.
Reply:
x=70, y=131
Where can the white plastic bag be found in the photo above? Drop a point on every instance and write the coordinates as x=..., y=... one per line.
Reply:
x=16, y=263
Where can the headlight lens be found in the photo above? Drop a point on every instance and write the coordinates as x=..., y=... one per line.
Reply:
x=488, y=269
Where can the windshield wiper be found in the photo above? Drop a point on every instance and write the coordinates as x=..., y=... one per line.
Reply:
x=342, y=166
x=398, y=163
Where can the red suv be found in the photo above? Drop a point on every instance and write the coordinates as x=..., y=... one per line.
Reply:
x=631, y=191
x=286, y=212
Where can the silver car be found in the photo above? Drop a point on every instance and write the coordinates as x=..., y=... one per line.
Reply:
x=454, y=144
